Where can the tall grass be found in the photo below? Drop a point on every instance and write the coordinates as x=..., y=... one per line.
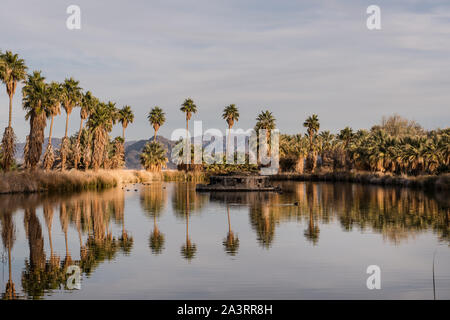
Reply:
x=70, y=181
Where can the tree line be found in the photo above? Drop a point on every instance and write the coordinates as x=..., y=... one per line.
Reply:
x=90, y=147
x=397, y=145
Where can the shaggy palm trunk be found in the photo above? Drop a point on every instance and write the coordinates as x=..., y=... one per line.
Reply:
x=49, y=156
x=87, y=155
x=8, y=142
x=8, y=148
x=77, y=150
x=65, y=146
x=99, y=148
x=36, y=140
x=300, y=164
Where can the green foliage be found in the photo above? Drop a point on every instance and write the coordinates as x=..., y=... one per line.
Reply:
x=153, y=157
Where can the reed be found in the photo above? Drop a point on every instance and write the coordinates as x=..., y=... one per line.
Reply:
x=74, y=180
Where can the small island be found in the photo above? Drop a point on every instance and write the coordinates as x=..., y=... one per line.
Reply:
x=238, y=182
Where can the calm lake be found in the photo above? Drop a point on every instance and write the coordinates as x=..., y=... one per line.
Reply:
x=166, y=241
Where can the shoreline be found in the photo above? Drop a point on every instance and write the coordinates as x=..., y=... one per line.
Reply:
x=40, y=181
x=425, y=182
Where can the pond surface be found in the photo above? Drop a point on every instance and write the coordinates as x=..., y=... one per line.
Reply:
x=165, y=241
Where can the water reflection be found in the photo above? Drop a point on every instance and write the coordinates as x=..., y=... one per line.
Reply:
x=395, y=213
x=95, y=224
x=90, y=215
x=231, y=242
x=153, y=202
x=8, y=238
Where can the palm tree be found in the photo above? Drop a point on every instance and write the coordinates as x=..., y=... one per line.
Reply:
x=312, y=124
x=36, y=103
x=189, y=108
x=265, y=121
x=54, y=109
x=157, y=117
x=88, y=103
x=72, y=97
x=126, y=117
x=100, y=123
x=230, y=114
x=153, y=157
x=346, y=135
x=12, y=71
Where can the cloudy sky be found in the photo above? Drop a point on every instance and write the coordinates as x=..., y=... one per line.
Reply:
x=294, y=58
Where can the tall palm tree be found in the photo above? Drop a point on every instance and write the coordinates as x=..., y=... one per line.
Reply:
x=156, y=117
x=72, y=96
x=100, y=124
x=12, y=71
x=126, y=116
x=265, y=121
x=346, y=135
x=188, y=107
x=36, y=103
x=87, y=104
x=54, y=109
x=312, y=124
x=230, y=115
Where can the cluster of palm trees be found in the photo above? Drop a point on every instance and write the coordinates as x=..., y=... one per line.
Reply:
x=154, y=157
x=89, y=148
x=380, y=149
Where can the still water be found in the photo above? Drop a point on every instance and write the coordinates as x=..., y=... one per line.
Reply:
x=165, y=241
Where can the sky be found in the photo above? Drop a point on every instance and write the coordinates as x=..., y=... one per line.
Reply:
x=294, y=58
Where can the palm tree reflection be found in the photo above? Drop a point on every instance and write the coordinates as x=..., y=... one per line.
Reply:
x=189, y=249
x=231, y=242
x=8, y=238
x=153, y=201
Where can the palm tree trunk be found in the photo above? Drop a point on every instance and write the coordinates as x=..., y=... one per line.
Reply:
x=10, y=110
x=123, y=133
x=67, y=126
x=188, y=152
x=156, y=132
x=79, y=132
x=51, y=132
x=228, y=141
